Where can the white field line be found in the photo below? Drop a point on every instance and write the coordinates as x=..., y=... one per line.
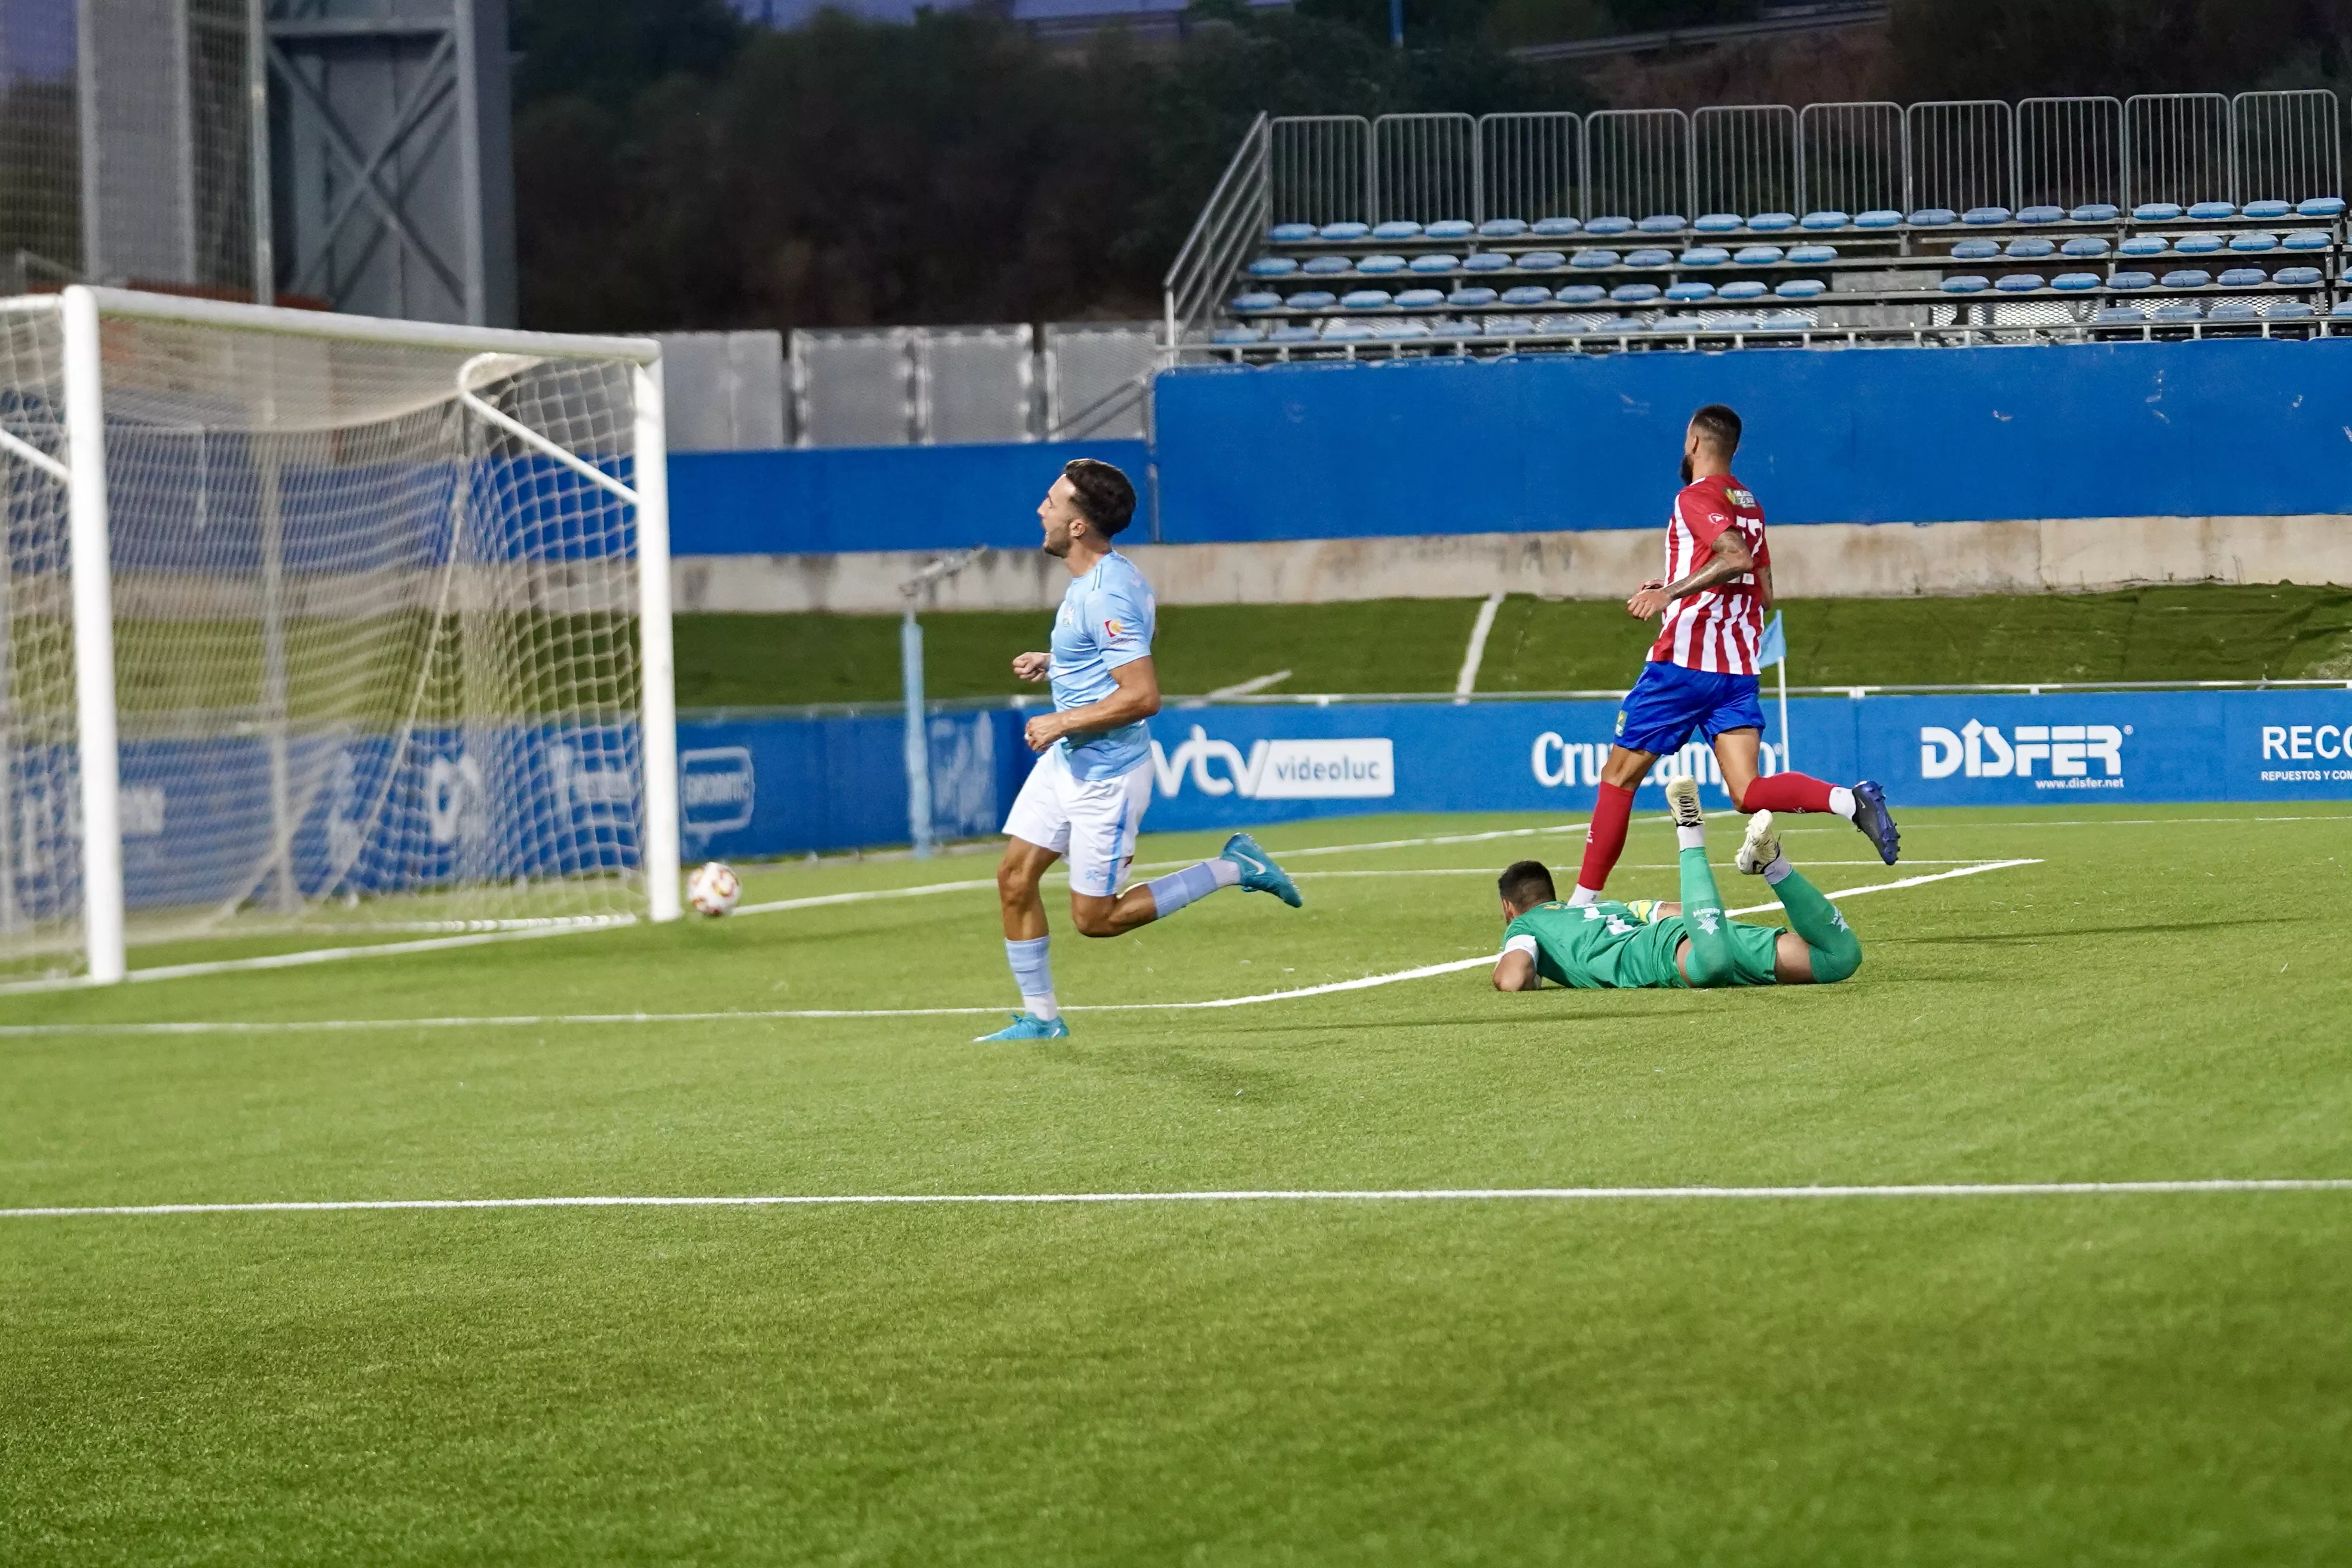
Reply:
x=1620, y=866
x=1295, y=1195
x=1367, y=982
x=1474, y=653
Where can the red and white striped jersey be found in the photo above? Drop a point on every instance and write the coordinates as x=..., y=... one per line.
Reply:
x=1716, y=630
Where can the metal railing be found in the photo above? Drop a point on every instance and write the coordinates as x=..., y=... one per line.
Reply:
x=1236, y=217
x=1747, y=158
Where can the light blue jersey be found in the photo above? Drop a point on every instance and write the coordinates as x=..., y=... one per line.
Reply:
x=1106, y=620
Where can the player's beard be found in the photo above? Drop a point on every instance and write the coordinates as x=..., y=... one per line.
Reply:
x=1687, y=468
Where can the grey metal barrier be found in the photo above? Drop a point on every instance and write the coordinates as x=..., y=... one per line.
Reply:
x=724, y=392
x=1744, y=159
x=1425, y=166
x=1962, y=155
x=1853, y=157
x=2177, y=147
x=1531, y=166
x=1097, y=379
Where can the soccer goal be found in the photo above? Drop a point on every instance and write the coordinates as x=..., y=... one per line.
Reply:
x=322, y=625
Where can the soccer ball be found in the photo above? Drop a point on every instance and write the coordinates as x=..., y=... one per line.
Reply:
x=713, y=889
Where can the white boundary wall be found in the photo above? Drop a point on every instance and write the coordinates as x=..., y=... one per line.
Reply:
x=1816, y=560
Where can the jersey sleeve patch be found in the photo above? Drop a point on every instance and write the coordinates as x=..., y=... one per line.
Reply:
x=1121, y=625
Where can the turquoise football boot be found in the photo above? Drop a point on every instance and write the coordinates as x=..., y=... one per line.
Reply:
x=1028, y=1027
x=1259, y=873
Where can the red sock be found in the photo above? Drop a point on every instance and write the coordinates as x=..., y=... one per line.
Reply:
x=1787, y=791
x=1605, y=839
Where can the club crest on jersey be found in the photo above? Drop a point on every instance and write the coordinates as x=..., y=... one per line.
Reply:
x=1745, y=500
x=1115, y=629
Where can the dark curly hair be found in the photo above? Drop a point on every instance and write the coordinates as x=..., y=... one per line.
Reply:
x=1105, y=495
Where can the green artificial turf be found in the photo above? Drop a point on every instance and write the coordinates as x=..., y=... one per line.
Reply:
x=2119, y=1379
x=2202, y=632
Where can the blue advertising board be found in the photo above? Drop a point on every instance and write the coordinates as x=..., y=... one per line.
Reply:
x=785, y=784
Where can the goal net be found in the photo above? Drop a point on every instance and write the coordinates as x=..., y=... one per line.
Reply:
x=386, y=609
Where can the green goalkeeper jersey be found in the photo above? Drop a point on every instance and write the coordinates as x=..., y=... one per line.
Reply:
x=1609, y=947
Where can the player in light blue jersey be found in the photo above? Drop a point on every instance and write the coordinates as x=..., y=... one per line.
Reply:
x=1086, y=797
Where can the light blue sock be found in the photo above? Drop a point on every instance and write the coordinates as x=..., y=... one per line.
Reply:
x=1033, y=973
x=1173, y=892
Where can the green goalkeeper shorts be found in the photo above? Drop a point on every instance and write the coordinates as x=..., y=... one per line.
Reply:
x=1752, y=951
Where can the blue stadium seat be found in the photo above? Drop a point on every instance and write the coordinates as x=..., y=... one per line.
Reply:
x=2074, y=282
x=1635, y=293
x=1758, y=255
x=1679, y=324
x=2290, y=310
x=1746, y=289
x=1733, y=324
x=1257, y=300
x=1556, y=228
x=1453, y=329
x=1582, y=294
x=2243, y=278
x=1541, y=260
x=2198, y=243
x=1705, y=256
x=1273, y=267
x=1420, y=299
x=2145, y=244
x=1313, y=299
x=2234, y=310
x=1827, y=217
x=2306, y=239
x=2207, y=212
x=2018, y=282
x=1689, y=290
x=1449, y=228
x=2121, y=315
x=1503, y=227
x=1967, y=284
x=1527, y=294
x=1989, y=214
x=1324, y=266
x=1367, y=299
x=1471, y=298
x=1238, y=336
x=2095, y=212
x=2156, y=212
x=1807, y=255
x=2131, y=279
x=1610, y=224
x=2264, y=211
x=1346, y=229
x=1290, y=233
x=2296, y=277
x=1488, y=261
x=2084, y=245
x=2253, y=241
x=1566, y=325
x=2030, y=248
x=2186, y=277
x=1802, y=288
x=1350, y=332
x=1508, y=327
x=1975, y=250
x=1293, y=332
x=2343, y=310
x=1375, y=266
x=1595, y=258
x=1663, y=223
x=2320, y=206
x=1878, y=217
x=1434, y=261
x=1772, y=223
x=1784, y=321
x=1934, y=217
x=1397, y=228
x=1650, y=259
x=2042, y=214
x=1719, y=222
x=2177, y=312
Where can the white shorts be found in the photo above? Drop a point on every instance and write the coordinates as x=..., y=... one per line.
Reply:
x=1092, y=824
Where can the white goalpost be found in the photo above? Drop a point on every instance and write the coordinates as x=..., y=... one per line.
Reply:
x=314, y=623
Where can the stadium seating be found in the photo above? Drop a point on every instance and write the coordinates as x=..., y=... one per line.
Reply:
x=2040, y=271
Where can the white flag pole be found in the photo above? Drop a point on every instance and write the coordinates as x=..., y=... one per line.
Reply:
x=1786, y=766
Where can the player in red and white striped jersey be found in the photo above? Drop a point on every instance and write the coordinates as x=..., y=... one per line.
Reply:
x=1702, y=670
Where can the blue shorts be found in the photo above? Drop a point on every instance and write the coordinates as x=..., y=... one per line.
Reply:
x=1669, y=701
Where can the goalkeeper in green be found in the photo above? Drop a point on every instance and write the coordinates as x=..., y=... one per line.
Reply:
x=1693, y=945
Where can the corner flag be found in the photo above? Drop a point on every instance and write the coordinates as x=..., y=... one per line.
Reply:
x=1774, y=647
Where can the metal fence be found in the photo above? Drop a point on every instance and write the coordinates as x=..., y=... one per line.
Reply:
x=724, y=392
x=1751, y=158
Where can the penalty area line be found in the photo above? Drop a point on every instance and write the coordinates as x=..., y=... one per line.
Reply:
x=1245, y=1195
x=1328, y=988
